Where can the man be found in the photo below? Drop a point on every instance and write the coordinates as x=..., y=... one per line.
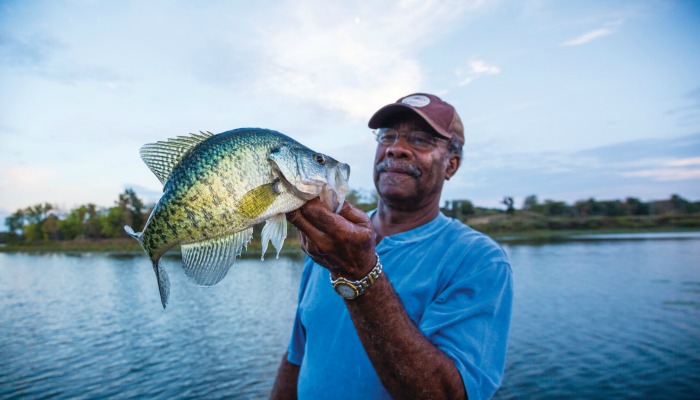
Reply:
x=403, y=302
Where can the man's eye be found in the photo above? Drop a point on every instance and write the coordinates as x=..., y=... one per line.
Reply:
x=388, y=138
x=420, y=141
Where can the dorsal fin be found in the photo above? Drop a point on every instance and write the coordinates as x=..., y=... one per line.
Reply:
x=161, y=157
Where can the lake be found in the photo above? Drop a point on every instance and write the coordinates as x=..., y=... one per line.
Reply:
x=604, y=317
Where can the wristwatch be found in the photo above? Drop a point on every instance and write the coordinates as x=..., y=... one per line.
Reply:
x=350, y=290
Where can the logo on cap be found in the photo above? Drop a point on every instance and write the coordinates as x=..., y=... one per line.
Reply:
x=416, y=101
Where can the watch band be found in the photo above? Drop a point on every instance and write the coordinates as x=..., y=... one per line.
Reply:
x=353, y=289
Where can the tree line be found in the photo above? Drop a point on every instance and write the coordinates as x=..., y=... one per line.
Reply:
x=46, y=222
x=631, y=206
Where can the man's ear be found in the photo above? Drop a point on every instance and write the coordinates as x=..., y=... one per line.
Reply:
x=452, y=166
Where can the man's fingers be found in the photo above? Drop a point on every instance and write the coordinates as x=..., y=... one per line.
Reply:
x=354, y=215
x=298, y=219
x=323, y=218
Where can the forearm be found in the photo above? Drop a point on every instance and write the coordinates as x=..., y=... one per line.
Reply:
x=407, y=363
x=286, y=382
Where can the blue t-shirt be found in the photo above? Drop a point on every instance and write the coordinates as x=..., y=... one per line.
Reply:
x=455, y=284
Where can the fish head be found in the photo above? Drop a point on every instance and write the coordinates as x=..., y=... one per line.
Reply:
x=309, y=174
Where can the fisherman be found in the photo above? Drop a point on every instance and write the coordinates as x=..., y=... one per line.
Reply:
x=402, y=302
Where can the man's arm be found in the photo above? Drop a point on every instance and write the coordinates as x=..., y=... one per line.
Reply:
x=407, y=363
x=286, y=383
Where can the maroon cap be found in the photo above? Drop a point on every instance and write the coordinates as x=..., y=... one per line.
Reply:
x=437, y=113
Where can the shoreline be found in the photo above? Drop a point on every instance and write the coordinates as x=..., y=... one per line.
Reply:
x=126, y=247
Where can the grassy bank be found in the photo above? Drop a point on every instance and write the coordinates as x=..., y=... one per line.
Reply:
x=127, y=246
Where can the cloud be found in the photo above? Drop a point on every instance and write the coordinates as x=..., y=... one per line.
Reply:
x=476, y=69
x=666, y=174
x=45, y=56
x=608, y=29
x=351, y=58
x=639, y=168
x=681, y=169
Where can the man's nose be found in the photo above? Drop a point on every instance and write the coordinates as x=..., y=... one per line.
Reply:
x=399, y=149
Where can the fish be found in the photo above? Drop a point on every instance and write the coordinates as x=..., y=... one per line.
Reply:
x=216, y=187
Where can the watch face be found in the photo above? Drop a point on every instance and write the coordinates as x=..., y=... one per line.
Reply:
x=346, y=291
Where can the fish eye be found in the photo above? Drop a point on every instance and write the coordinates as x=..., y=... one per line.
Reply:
x=320, y=158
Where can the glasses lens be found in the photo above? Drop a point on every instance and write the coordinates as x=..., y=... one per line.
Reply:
x=419, y=140
x=386, y=136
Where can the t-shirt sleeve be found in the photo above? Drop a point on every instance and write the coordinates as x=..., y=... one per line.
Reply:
x=469, y=320
x=297, y=343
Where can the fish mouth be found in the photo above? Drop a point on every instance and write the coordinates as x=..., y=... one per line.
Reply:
x=397, y=167
x=334, y=192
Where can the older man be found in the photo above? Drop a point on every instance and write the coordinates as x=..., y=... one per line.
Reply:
x=403, y=302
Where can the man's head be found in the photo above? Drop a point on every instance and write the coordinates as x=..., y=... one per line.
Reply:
x=440, y=115
x=410, y=171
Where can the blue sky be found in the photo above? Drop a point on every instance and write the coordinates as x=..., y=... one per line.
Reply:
x=563, y=99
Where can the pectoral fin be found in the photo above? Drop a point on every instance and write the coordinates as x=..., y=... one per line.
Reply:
x=256, y=201
x=208, y=262
x=275, y=231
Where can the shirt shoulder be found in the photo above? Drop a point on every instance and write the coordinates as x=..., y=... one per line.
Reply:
x=467, y=246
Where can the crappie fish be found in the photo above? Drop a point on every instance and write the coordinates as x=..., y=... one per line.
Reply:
x=217, y=187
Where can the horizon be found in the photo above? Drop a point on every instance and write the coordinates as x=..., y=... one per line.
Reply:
x=565, y=101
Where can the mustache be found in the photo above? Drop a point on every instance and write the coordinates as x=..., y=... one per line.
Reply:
x=395, y=166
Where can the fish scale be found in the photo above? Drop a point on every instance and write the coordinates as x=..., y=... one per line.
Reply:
x=216, y=187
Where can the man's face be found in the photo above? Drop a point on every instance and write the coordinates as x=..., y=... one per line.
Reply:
x=410, y=178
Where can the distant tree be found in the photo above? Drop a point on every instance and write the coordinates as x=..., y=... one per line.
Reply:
x=76, y=224
x=136, y=207
x=128, y=210
x=586, y=208
x=15, y=222
x=50, y=228
x=34, y=219
x=679, y=205
x=447, y=209
x=363, y=200
x=636, y=206
x=93, y=223
x=458, y=209
x=530, y=203
x=466, y=207
x=556, y=208
x=508, y=202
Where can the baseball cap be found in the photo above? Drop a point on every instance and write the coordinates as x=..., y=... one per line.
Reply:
x=437, y=113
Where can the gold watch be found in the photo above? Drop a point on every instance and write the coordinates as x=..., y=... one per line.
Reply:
x=350, y=290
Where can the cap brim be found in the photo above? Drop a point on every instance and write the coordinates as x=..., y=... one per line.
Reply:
x=380, y=118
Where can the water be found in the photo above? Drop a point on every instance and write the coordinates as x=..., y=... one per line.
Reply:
x=605, y=319
x=92, y=327
x=591, y=319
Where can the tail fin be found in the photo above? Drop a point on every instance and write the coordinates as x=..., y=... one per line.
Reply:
x=161, y=275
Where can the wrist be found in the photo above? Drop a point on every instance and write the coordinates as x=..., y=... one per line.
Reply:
x=355, y=271
x=352, y=289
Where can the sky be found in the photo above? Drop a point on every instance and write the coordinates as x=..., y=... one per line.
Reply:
x=566, y=100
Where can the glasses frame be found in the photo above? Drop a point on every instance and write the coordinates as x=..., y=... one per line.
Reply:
x=408, y=136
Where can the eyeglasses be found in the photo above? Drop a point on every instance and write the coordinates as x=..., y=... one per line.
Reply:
x=419, y=140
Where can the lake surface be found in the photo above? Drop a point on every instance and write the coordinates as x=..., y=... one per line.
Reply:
x=593, y=319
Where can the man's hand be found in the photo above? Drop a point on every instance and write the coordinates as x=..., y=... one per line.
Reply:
x=343, y=243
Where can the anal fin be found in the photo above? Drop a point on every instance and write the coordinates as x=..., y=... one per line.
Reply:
x=275, y=231
x=208, y=262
